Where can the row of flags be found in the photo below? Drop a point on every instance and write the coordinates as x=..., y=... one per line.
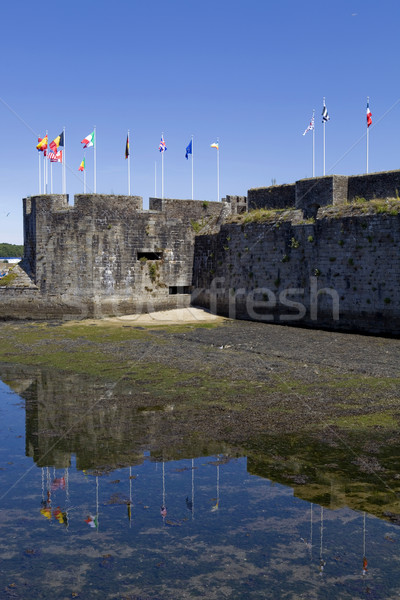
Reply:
x=326, y=118
x=56, y=155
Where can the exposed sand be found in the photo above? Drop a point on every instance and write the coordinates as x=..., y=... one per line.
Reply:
x=174, y=316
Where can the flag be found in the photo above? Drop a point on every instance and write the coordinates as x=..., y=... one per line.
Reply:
x=325, y=116
x=188, y=149
x=369, y=116
x=82, y=165
x=311, y=125
x=127, y=147
x=88, y=140
x=215, y=145
x=162, y=147
x=58, y=141
x=55, y=156
x=91, y=521
x=42, y=143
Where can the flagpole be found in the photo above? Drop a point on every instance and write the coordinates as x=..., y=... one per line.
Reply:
x=45, y=167
x=218, y=170
x=51, y=177
x=192, y=169
x=129, y=168
x=155, y=179
x=95, y=147
x=64, y=173
x=313, y=145
x=40, y=176
x=367, y=137
x=324, y=122
x=162, y=170
x=84, y=174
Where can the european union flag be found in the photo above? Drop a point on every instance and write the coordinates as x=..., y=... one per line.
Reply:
x=188, y=149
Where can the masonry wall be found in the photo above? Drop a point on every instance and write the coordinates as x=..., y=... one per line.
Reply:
x=310, y=194
x=105, y=255
x=337, y=273
x=313, y=193
x=374, y=185
x=276, y=196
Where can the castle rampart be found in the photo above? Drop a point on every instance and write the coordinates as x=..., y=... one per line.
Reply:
x=326, y=254
x=106, y=255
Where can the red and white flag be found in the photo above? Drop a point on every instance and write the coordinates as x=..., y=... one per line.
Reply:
x=369, y=116
x=55, y=156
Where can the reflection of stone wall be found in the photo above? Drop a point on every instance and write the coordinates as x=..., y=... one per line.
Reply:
x=108, y=429
x=103, y=426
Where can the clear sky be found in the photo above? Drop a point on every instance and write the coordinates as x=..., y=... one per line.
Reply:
x=248, y=72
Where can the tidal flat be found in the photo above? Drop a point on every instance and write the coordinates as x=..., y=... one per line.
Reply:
x=275, y=451
x=273, y=378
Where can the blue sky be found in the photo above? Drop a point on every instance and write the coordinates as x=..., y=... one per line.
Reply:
x=247, y=72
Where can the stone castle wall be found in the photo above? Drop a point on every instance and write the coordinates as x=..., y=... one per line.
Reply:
x=336, y=273
x=310, y=194
x=105, y=255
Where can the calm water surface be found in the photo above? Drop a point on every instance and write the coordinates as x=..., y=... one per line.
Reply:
x=94, y=512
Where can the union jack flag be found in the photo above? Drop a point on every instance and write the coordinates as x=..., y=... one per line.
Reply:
x=311, y=125
x=162, y=147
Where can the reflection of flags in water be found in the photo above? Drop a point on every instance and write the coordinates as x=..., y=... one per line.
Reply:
x=91, y=521
x=365, y=565
x=311, y=126
x=60, y=516
x=46, y=512
x=59, y=482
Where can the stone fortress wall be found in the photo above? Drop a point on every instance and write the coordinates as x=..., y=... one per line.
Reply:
x=336, y=268
x=317, y=261
x=106, y=255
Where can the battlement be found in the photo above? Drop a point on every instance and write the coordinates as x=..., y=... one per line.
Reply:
x=106, y=255
x=310, y=194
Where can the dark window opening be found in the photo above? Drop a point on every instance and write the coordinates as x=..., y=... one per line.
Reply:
x=180, y=289
x=150, y=255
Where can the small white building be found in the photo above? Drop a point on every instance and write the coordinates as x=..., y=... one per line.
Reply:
x=11, y=260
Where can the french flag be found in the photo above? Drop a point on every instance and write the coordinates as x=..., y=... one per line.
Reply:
x=369, y=116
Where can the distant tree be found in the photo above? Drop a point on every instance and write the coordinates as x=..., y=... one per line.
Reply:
x=11, y=250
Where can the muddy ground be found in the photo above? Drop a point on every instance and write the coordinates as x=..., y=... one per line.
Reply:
x=264, y=376
x=307, y=407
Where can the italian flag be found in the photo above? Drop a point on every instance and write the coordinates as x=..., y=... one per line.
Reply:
x=82, y=166
x=88, y=141
x=92, y=521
